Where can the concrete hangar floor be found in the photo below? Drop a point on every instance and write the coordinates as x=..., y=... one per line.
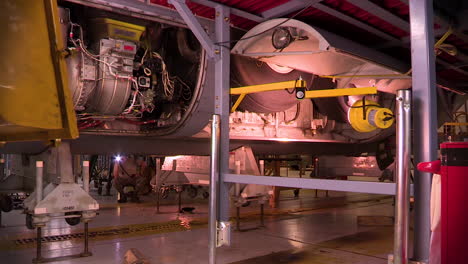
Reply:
x=338, y=228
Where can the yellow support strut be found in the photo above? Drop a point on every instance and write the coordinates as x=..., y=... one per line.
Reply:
x=243, y=91
x=340, y=92
x=297, y=84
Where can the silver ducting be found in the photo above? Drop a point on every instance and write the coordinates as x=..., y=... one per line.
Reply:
x=319, y=52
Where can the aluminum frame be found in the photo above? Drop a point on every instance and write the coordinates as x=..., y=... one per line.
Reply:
x=378, y=11
x=143, y=10
x=233, y=11
x=424, y=98
x=424, y=118
x=402, y=176
x=220, y=53
x=287, y=8
x=322, y=184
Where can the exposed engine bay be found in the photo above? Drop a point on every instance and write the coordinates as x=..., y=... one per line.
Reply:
x=129, y=74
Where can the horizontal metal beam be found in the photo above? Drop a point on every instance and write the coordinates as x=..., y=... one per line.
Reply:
x=321, y=184
x=287, y=8
x=451, y=66
x=283, y=53
x=340, y=92
x=356, y=23
x=234, y=11
x=142, y=10
x=269, y=87
x=379, y=12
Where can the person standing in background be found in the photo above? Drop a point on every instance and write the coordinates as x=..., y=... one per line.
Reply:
x=130, y=177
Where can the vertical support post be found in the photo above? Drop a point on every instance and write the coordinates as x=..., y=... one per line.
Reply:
x=158, y=182
x=39, y=181
x=222, y=87
x=219, y=208
x=316, y=167
x=262, y=215
x=38, y=258
x=158, y=190
x=425, y=118
x=64, y=163
x=238, y=218
x=179, y=199
x=85, y=175
x=403, y=161
x=238, y=171
x=262, y=167
x=214, y=176
x=86, y=252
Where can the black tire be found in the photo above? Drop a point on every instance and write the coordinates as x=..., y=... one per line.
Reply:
x=206, y=195
x=192, y=192
x=6, y=203
x=247, y=71
x=29, y=221
x=74, y=220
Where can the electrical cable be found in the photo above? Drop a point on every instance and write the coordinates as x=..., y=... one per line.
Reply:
x=298, y=110
x=168, y=84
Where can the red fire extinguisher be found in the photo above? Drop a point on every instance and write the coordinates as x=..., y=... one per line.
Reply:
x=453, y=170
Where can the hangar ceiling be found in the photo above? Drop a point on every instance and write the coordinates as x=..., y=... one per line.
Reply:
x=379, y=24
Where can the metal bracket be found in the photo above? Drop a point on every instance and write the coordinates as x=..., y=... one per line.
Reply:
x=297, y=84
x=243, y=91
x=390, y=260
x=340, y=92
x=223, y=234
x=192, y=22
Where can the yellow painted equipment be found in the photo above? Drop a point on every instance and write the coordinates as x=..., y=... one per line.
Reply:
x=243, y=91
x=110, y=28
x=369, y=117
x=340, y=92
x=297, y=84
x=35, y=103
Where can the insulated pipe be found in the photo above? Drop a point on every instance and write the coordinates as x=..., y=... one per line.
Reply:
x=39, y=181
x=85, y=175
x=402, y=170
x=214, y=176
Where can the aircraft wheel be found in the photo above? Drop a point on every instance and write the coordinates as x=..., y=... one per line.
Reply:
x=29, y=221
x=74, y=220
x=6, y=204
x=192, y=191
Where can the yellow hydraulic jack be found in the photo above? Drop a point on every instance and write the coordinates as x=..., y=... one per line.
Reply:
x=364, y=115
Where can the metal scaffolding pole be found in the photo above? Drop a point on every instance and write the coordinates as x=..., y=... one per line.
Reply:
x=214, y=180
x=424, y=119
x=220, y=52
x=402, y=175
x=222, y=70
